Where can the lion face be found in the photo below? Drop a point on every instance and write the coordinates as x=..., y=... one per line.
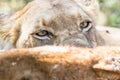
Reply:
x=56, y=22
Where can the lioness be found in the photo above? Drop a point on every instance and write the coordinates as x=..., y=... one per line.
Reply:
x=51, y=22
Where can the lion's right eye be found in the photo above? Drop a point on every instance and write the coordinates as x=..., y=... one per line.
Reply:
x=43, y=34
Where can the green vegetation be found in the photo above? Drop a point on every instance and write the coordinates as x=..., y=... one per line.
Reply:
x=12, y=5
x=111, y=8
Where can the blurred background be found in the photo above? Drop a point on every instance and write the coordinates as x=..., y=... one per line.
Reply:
x=109, y=10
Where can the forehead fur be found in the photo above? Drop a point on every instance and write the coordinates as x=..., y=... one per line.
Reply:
x=49, y=9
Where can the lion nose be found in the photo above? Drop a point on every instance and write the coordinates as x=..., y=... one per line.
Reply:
x=76, y=42
x=75, y=39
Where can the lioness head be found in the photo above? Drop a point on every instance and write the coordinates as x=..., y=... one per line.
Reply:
x=52, y=22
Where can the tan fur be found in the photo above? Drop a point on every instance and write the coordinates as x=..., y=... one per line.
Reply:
x=110, y=35
x=60, y=17
x=60, y=63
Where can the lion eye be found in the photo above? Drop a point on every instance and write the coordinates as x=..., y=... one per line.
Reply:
x=42, y=34
x=85, y=25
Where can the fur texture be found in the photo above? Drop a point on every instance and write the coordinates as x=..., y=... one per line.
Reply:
x=60, y=63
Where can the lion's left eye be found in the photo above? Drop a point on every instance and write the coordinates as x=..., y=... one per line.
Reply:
x=85, y=25
x=42, y=34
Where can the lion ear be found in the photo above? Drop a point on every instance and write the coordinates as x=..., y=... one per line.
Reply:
x=108, y=68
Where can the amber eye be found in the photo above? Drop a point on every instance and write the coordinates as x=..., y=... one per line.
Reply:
x=85, y=25
x=42, y=34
